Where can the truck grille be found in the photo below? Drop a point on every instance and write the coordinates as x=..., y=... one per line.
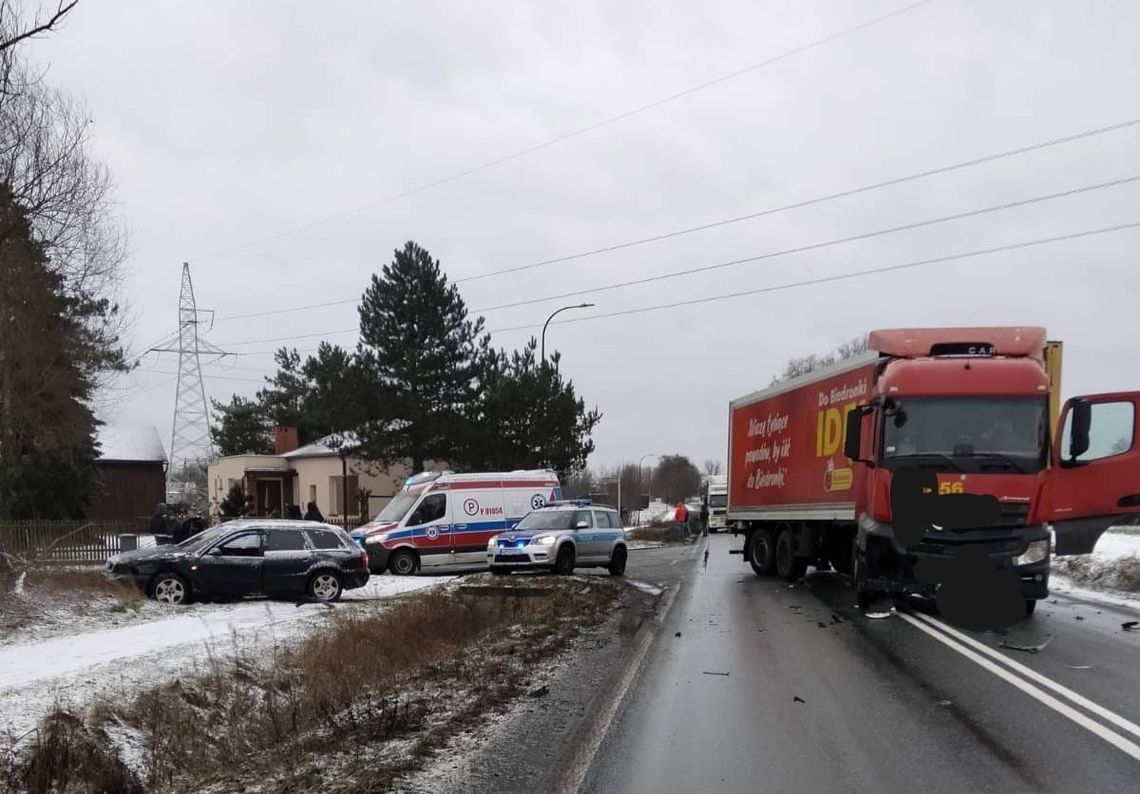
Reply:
x=1014, y=514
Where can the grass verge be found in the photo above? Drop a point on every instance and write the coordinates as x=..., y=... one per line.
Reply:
x=1122, y=573
x=661, y=533
x=350, y=709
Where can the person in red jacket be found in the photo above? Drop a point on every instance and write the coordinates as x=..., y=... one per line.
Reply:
x=681, y=517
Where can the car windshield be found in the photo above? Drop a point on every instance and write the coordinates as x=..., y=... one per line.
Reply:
x=549, y=519
x=968, y=434
x=395, y=510
x=718, y=500
x=202, y=539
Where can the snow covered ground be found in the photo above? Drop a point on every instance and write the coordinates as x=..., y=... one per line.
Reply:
x=105, y=659
x=1114, y=564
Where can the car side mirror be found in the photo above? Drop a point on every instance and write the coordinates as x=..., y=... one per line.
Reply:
x=581, y=525
x=1079, y=431
x=215, y=552
x=853, y=440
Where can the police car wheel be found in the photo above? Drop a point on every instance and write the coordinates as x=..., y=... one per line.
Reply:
x=617, y=563
x=402, y=563
x=564, y=562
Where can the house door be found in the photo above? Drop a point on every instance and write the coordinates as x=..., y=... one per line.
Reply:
x=269, y=497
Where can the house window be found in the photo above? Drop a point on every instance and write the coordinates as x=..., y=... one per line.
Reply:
x=313, y=494
x=336, y=494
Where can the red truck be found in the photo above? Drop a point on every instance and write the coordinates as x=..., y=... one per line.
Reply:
x=811, y=459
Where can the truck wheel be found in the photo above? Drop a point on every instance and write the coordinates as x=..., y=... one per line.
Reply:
x=863, y=597
x=788, y=567
x=761, y=552
x=1030, y=607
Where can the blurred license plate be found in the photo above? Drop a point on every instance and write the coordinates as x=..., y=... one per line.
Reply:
x=509, y=552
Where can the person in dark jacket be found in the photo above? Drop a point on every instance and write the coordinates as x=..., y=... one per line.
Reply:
x=705, y=517
x=312, y=513
x=158, y=520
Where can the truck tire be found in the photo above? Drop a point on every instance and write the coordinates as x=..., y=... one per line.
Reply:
x=1030, y=607
x=789, y=567
x=761, y=552
x=863, y=597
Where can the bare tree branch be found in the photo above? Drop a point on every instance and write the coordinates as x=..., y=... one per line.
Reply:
x=38, y=27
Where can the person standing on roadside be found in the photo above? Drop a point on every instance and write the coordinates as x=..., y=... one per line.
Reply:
x=704, y=516
x=313, y=514
x=681, y=517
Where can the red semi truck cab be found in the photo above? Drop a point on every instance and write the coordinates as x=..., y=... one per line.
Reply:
x=811, y=460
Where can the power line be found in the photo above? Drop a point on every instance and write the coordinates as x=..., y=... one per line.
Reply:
x=737, y=219
x=211, y=376
x=838, y=277
x=575, y=133
x=752, y=259
x=817, y=246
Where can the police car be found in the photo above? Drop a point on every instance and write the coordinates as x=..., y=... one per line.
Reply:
x=562, y=536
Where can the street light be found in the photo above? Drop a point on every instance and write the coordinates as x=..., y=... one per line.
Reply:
x=551, y=317
x=643, y=457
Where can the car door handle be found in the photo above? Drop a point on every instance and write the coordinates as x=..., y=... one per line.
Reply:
x=461, y=526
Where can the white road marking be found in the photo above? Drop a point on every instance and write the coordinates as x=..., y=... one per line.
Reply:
x=1033, y=675
x=1113, y=738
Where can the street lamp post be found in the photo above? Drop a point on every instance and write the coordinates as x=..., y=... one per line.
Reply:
x=643, y=457
x=551, y=317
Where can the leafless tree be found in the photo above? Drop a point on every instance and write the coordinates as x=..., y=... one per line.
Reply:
x=47, y=164
x=713, y=467
x=15, y=30
x=805, y=364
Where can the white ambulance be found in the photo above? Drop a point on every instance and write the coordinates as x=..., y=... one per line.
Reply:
x=442, y=518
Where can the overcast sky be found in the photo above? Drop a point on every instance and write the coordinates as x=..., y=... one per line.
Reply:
x=227, y=122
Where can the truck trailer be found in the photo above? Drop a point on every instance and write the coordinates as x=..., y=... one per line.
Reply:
x=811, y=459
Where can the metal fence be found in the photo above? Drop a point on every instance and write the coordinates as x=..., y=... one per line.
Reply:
x=67, y=541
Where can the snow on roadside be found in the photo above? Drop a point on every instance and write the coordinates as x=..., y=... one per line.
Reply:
x=36, y=675
x=1114, y=564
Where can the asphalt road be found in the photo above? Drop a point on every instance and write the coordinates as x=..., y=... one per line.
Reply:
x=903, y=703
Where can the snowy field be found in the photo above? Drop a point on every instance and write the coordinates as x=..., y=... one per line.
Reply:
x=100, y=658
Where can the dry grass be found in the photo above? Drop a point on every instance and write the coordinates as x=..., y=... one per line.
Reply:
x=1122, y=573
x=322, y=713
x=662, y=533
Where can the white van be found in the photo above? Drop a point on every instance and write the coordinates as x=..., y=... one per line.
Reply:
x=442, y=518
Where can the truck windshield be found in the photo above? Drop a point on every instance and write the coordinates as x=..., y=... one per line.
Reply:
x=718, y=500
x=968, y=433
x=395, y=510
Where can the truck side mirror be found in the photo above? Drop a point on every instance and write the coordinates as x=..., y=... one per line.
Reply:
x=852, y=444
x=1079, y=431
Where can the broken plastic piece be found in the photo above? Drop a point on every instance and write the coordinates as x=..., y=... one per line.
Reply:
x=709, y=672
x=1026, y=648
x=1130, y=625
x=798, y=699
x=880, y=615
x=944, y=703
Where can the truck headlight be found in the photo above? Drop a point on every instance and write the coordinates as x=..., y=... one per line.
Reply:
x=1037, y=551
x=373, y=539
x=542, y=540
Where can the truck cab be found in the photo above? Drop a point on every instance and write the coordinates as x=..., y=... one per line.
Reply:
x=716, y=497
x=971, y=413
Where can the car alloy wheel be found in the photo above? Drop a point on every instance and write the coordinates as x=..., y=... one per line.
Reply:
x=325, y=587
x=170, y=590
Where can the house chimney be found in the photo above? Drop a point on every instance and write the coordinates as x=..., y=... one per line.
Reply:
x=284, y=440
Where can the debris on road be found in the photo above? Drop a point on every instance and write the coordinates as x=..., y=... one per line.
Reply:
x=835, y=618
x=944, y=703
x=1077, y=617
x=710, y=672
x=821, y=624
x=542, y=691
x=798, y=699
x=1026, y=648
x=678, y=634
x=1130, y=625
x=1079, y=666
x=881, y=615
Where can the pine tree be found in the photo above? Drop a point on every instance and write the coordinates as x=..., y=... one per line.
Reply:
x=417, y=355
x=527, y=416
x=241, y=428
x=47, y=429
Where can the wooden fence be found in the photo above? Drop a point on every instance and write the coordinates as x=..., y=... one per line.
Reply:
x=67, y=541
